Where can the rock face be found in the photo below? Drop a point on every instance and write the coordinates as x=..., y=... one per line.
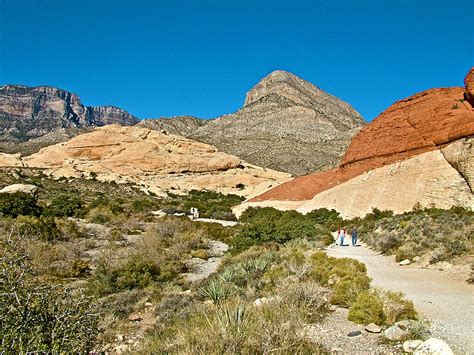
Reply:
x=417, y=151
x=157, y=161
x=286, y=124
x=34, y=117
x=27, y=189
x=469, y=86
x=181, y=125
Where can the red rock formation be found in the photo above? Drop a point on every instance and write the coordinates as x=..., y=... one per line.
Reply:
x=421, y=123
x=469, y=86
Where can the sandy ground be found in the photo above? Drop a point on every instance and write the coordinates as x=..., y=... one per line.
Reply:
x=447, y=303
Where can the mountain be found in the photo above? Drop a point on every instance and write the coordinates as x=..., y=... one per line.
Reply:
x=286, y=124
x=417, y=152
x=35, y=117
x=156, y=161
x=181, y=125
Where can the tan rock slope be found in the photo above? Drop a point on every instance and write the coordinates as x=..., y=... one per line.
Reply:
x=156, y=161
x=418, y=150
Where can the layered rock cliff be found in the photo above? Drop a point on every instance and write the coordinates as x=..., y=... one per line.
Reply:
x=418, y=150
x=286, y=124
x=157, y=161
x=34, y=117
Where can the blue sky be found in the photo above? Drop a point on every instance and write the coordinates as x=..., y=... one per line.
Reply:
x=164, y=58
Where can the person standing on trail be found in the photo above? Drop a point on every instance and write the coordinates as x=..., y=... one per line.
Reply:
x=341, y=233
x=354, y=234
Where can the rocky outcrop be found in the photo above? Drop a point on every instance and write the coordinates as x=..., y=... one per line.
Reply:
x=286, y=124
x=417, y=151
x=10, y=160
x=181, y=125
x=27, y=189
x=104, y=115
x=469, y=87
x=159, y=162
x=426, y=179
x=34, y=117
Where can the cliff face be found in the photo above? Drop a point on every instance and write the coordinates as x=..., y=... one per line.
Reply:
x=286, y=124
x=386, y=165
x=34, y=117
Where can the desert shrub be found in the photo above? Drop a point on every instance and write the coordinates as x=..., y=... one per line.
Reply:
x=144, y=205
x=307, y=297
x=134, y=273
x=381, y=307
x=40, y=318
x=209, y=203
x=19, y=204
x=44, y=228
x=367, y=308
x=446, y=233
x=347, y=277
x=235, y=327
x=65, y=206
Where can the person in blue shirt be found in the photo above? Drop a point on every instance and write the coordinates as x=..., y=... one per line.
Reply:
x=354, y=234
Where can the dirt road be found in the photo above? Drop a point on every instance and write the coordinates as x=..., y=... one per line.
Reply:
x=447, y=303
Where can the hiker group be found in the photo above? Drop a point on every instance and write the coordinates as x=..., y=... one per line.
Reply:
x=341, y=236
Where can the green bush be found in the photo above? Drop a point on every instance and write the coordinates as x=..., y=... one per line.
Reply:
x=44, y=228
x=381, y=307
x=66, y=206
x=367, y=308
x=135, y=273
x=19, y=204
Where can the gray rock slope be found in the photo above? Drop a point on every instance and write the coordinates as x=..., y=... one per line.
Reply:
x=286, y=124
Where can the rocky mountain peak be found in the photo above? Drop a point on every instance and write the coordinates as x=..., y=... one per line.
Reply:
x=282, y=83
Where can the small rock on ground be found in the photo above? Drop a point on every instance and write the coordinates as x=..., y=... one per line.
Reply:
x=410, y=346
x=373, y=328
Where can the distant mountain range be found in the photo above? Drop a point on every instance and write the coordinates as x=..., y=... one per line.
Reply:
x=35, y=117
x=286, y=123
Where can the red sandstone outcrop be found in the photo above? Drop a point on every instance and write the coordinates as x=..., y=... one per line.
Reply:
x=424, y=122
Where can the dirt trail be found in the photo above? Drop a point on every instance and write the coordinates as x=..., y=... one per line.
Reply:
x=447, y=303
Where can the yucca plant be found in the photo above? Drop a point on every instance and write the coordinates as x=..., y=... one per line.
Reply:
x=215, y=290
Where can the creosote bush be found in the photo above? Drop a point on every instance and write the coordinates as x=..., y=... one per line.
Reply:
x=381, y=307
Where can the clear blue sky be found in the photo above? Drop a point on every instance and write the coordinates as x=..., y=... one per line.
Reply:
x=198, y=57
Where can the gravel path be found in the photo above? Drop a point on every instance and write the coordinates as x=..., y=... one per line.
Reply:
x=201, y=269
x=447, y=303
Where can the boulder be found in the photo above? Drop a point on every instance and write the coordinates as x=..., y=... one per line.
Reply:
x=394, y=333
x=404, y=262
x=373, y=328
x=410, y=346
x=433, y=346
x=25, y=188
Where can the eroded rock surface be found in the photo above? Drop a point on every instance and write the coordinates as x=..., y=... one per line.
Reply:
x=159, y=162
